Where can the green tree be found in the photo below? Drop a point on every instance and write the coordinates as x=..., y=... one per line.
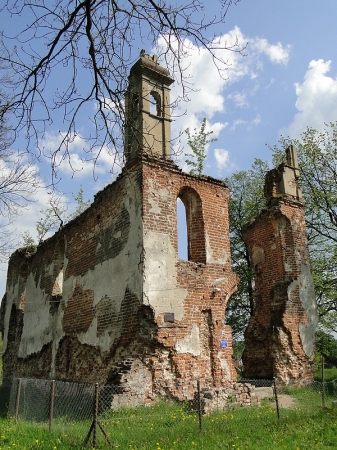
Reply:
x=317, y=156
x=198, y=142
x=0, y=357
x=247, y=200
x=81, y=204
x=326, y=345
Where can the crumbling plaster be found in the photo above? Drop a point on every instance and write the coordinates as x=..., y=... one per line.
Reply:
x=109, y=278
x=161, y=290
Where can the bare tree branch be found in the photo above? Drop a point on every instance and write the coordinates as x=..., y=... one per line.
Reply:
x=91, y=45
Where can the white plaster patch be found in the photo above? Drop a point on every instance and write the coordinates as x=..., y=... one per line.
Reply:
x=154, y=205
x=159, y=195
x=190, y=343
x=258, y=255
x=210, y=256
x=37, y=326
x=160, y=276
x=224, y=366
x=308, y=299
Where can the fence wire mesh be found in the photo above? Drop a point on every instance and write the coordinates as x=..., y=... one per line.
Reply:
x=103, y=416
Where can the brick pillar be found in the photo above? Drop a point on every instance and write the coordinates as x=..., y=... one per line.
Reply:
x=280, y=335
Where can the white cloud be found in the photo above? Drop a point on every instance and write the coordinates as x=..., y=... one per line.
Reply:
x=222, y=158
x=237, y=122
x=80, y=157
x=316, y=99
x=277, y=53
x=257, y=120
x=209, y=96
x=240, y=99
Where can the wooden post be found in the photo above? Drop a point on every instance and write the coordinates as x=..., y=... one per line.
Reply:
x=51, y=404
x=17, y=400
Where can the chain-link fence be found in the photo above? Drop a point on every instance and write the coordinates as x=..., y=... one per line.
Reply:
x=105, y=416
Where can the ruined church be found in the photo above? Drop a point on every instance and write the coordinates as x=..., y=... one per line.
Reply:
x=107, y=299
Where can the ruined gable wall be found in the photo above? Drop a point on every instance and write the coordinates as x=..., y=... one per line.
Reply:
x=188, y=311
x=108, y=300
x=280, y=335
x=80, y=290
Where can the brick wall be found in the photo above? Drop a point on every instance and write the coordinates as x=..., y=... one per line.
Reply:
x=192, y=341
x=107, y=299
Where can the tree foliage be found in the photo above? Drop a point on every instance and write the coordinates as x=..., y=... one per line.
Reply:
x=198, y=142
x=326, y=345
x=73, y=57
x=247, y=200
x=317, y=155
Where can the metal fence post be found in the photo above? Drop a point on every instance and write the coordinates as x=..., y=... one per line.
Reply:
x=323, y=384
x=95, y=422
x=17, y=400
x=51, y=408
x=199, y=406
x=276, y=399
x=94, y=440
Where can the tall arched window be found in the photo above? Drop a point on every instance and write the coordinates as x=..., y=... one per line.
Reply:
x=155, y=103
x=135, y=105
x=182, y=230
x=196, y=248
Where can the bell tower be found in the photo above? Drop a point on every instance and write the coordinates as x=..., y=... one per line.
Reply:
x=147, y=109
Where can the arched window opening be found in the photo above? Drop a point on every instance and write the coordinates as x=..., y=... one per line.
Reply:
x=155, y=103
x=182, y=230
x=196, y=247
x=135, y=105
x=58, y=277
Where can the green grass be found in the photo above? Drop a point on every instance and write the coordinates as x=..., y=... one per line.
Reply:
x=329, y=374
x=0, y=357
x=167, y=426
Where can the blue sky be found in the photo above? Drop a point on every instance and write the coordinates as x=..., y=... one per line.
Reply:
x=286, y=81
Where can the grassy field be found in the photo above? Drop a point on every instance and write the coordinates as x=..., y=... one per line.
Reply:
x=166, y=426
x=329, y=374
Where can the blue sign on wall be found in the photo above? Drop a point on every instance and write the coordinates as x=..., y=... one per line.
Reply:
x=223, y=344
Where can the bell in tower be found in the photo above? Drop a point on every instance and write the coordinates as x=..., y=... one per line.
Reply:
x=147, y=109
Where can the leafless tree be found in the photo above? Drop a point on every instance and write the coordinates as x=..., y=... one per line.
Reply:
x=91, y=45
x=18, y=182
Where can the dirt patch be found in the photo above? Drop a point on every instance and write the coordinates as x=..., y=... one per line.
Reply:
x=285, y=401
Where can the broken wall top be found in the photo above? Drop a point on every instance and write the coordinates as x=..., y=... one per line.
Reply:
x=282, y=182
